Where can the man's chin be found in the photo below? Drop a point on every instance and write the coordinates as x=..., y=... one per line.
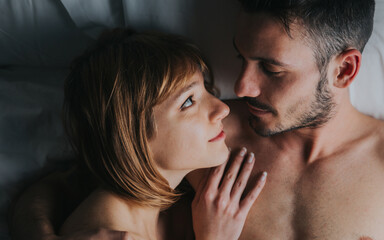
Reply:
x=266, y=132
x=263, y=130
x=259, y=128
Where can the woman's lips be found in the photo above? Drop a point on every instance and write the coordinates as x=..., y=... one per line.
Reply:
x=218, y=137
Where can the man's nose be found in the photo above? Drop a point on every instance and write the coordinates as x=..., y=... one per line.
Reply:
x=247, y=84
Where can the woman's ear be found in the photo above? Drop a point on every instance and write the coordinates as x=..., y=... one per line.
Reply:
x=349, y=62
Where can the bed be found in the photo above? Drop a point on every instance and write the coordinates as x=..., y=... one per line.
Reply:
x=38, y=39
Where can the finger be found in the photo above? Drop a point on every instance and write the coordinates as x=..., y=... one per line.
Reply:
x=231, y=174
x=242, y=179
x=253, y=194
x=215, y=177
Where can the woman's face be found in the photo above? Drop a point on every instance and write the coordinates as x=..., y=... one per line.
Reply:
x=189, y=130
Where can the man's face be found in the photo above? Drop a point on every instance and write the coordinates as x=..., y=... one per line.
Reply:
x=280, y=80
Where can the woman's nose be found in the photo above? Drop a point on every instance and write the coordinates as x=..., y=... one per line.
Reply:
x=219, y=110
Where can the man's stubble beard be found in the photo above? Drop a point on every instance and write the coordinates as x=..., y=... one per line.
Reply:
x=320, y=112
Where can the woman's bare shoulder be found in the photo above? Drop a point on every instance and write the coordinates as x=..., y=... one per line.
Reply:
x=102, y=209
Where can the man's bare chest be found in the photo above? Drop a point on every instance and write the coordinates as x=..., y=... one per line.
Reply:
x=332, y=200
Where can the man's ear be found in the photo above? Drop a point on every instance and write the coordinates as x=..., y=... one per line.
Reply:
x=349, y=62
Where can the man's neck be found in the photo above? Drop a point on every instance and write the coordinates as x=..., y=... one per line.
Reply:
x=323, y=141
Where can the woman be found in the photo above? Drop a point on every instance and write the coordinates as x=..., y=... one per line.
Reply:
x=140, y=118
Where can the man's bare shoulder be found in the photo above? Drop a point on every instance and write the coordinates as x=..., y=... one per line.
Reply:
x=373, y=130
x=368, y=143
x=380, y=126
x=378, y=137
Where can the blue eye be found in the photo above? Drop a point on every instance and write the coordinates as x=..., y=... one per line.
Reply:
x=187, y=103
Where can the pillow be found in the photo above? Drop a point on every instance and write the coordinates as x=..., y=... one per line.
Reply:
x=93, y=18
x=52, y=33
x=32, y=139
x=367, y=91
x=38, y=39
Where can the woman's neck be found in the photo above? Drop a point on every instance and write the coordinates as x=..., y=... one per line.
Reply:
x=173, y=177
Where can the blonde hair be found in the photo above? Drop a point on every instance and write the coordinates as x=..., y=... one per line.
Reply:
x=109, y=97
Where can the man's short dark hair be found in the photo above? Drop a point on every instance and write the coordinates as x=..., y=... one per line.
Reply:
x=331, y=26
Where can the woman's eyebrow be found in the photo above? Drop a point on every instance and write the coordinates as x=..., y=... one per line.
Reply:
x=185, y=89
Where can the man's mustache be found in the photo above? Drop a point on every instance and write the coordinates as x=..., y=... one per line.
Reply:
x=255, y=103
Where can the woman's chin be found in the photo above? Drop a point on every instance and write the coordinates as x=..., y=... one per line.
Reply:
x=221, y=156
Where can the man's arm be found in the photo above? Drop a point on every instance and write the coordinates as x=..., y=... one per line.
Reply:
x=43, y=207
x=39, y=210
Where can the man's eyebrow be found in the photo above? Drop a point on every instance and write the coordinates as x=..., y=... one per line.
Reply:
x=185, y=89
x=266, y=60
x=270, y=61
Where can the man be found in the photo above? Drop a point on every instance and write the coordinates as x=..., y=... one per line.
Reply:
x=324, y=159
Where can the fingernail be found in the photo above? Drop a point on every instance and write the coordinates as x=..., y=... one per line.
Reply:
x=243, y=151
x=263, y=176
x=251, y=157
x=229, y=149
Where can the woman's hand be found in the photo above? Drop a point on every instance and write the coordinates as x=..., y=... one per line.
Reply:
x=219, y=208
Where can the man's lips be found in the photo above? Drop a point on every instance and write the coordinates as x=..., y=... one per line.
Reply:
x=219, y=137
x=257, y=111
